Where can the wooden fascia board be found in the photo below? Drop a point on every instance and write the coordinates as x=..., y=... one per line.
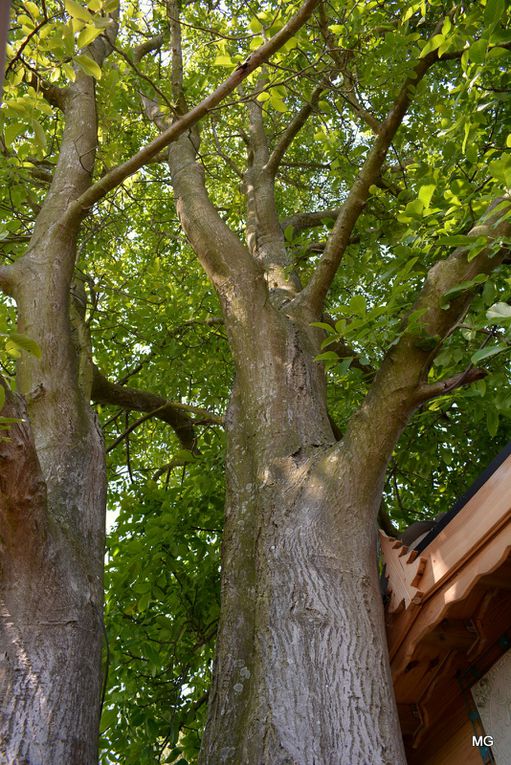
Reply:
x=409, y=629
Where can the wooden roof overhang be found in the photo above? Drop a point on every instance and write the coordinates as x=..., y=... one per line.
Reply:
x=449, y=605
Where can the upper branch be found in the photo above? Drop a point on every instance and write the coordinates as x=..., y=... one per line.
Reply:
x=305, y=220
x=400, y=384
x=264, y=234
x=118, y=174
x=177, y=415
x=176, y=61
x=153, y=43
x=316, y=290
x=292, y=131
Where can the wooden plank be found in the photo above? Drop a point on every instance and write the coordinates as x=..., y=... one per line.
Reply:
x=452, y=633
x=479, y=520
x=456, y=750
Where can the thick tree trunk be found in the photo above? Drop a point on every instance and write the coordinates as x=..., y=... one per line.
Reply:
x=52, y=483
x=302, y=675
x=50, y=603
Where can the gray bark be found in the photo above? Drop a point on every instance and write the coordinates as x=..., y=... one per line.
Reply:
x=52, y=505
x=301, y=674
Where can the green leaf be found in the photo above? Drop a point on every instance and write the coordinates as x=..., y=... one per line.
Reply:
x=486, y=353
x=16, y=342
x=472, y=152
x=463, y=287
x=143, y=602
x=224, y=60
x=13, y=131
x=277, y=102
x=493, y=11
x=255, y=26
x=477, y=51
x=415, y=208
x=184, y=455
x=357, y=305
x=425, y=194
x=39, y=134
x=455, y=240
x=32, y=9
x=108, y=718
x=88, y=35
x=500, y=169
x=345, y=365
x=499, y=313
x=478, y=244
x=492, y=421
x=88, y=65
x=433, y=44
x=323, y=325
x=77, y=11
x=288, y=233
x=497, y=52
x=2, y=396
x=12, y=349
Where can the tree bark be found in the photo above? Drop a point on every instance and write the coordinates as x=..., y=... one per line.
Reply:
x=50, y=628
x=302, y=672
x=53, y=488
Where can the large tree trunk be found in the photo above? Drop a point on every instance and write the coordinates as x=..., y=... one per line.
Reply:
x=302, y=673
x=52, y=503
x=51, y=604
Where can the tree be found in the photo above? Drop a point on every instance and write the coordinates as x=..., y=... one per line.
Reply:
x=381, y=127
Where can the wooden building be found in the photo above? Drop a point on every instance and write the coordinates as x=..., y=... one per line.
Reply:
x=448, y=610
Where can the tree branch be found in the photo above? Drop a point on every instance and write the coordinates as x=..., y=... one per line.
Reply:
x=117, y=175
x=400, y=384
x=292, y=131
x=176, y=59
x=316, y=290
x=52, y=93
x=141, y=75
x=305, y=220
x=7, y=279
x=442, y=387
x=264, y=234
x=154, y=43
x=177, y=415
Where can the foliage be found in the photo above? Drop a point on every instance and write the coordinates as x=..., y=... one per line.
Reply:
x=154, y=320
x=161, y=615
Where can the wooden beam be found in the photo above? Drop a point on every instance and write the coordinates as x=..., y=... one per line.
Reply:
x=500, y=580
x=452, y=633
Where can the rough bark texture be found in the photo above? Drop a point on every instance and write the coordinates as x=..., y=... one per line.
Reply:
x=301, y=674
x=50, y=615
x=53, y=488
